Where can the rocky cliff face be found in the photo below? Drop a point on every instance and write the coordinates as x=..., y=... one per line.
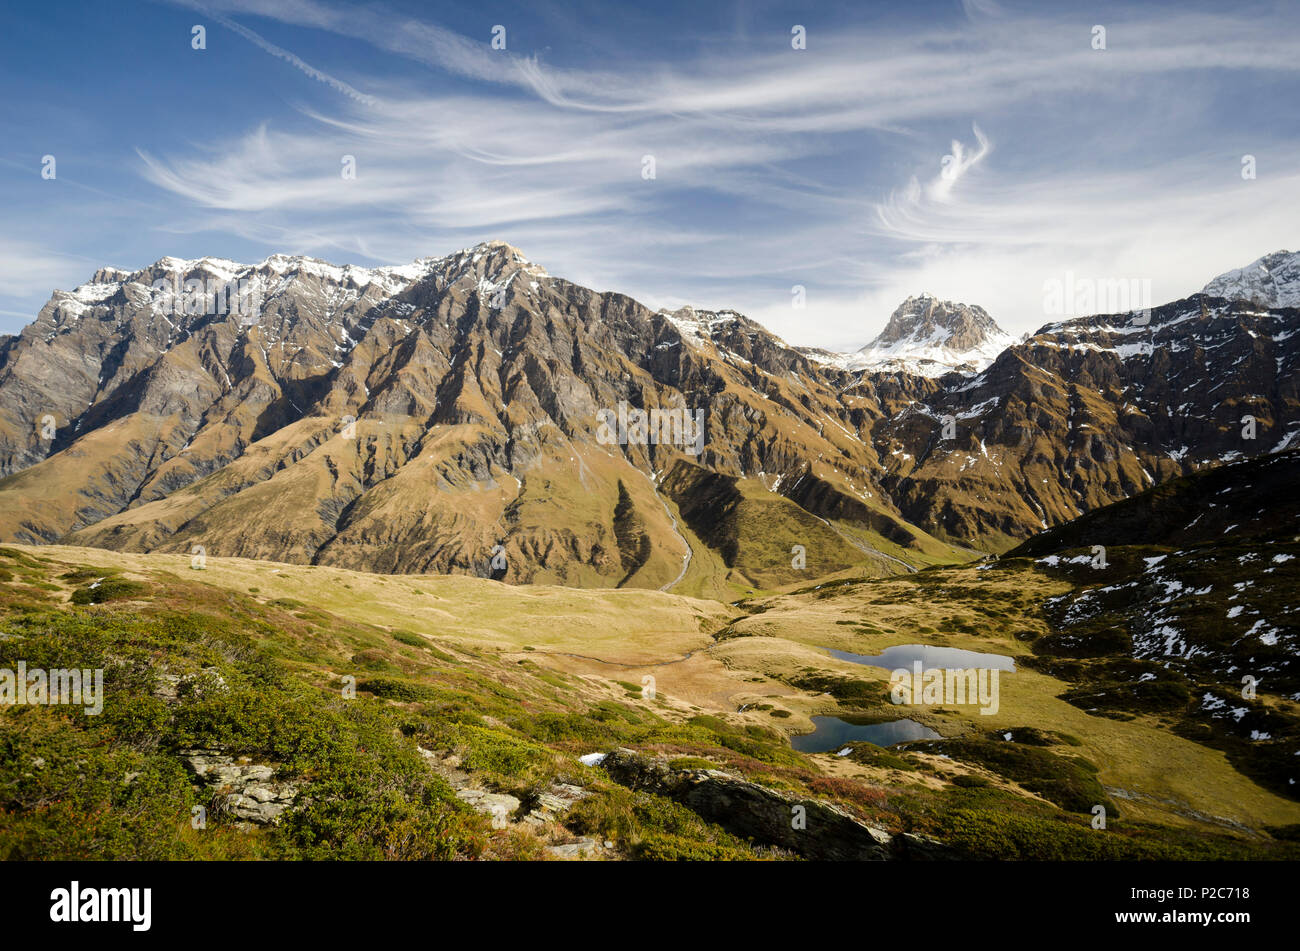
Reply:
x=1093, y=410
x=931, y=337
x=811, y=828
x=1272, y=281
x=472, y=413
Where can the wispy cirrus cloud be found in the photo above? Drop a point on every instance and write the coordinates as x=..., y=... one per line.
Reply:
x=27, y=268
x=294, y=61
x=566, y=160
x=862, y=167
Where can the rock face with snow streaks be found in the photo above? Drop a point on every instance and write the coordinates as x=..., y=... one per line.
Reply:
x=438, y=415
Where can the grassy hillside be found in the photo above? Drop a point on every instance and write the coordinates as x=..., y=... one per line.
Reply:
x=753, y=533
x=1175, y=759
x=470, y=692
x=1251, y=499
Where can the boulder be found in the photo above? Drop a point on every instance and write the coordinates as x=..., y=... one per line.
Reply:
x=241, y=789
x=808, y=827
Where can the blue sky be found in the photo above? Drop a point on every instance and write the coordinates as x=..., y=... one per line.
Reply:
x=822, y=167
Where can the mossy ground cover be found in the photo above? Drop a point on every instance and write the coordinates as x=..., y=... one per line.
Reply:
x=262, y=677
x=74, y=785
x=1125, y=716
x=1223, y=612
x=263, y=680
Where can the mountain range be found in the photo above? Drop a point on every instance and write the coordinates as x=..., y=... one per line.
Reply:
x=451, y=416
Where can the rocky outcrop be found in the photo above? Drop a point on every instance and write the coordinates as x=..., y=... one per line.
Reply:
x=169, y=687
x=241, y=789
x=807, y=827
x=542, y=813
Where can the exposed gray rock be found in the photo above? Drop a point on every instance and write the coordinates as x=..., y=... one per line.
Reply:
x=586, y=847
x=922, y=848
x=166, y=687
x=169, y=687
x=808, y=827
x=500, y=806
x=241, y=789
x=551, y=804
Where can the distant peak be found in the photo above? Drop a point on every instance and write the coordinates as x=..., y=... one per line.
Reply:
x=1271, y=281
x=498, y=243
x=930, y=336
x=932, y=314
x=110, y=275
x=494, y=246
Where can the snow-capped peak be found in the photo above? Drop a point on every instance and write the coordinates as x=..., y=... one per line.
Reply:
x=1273, y=281
x=931, y=337
x=488, y=260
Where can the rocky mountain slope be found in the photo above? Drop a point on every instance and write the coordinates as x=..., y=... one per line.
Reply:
x=930, y=337
x=1186, y=610
x=1272, y=281
x=1239, y=502
x=427, y=418
x=473, y=414
x=1089, y=411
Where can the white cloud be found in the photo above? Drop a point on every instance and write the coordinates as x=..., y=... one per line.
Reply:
x=26, y=270
x=764, y=140
x=957, y=163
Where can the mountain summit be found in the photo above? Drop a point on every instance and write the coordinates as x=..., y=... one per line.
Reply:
x=931, y=337
x=1273, y=281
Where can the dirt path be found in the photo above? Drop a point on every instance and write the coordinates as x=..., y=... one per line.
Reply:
x=614, y=663
x=864, y=548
